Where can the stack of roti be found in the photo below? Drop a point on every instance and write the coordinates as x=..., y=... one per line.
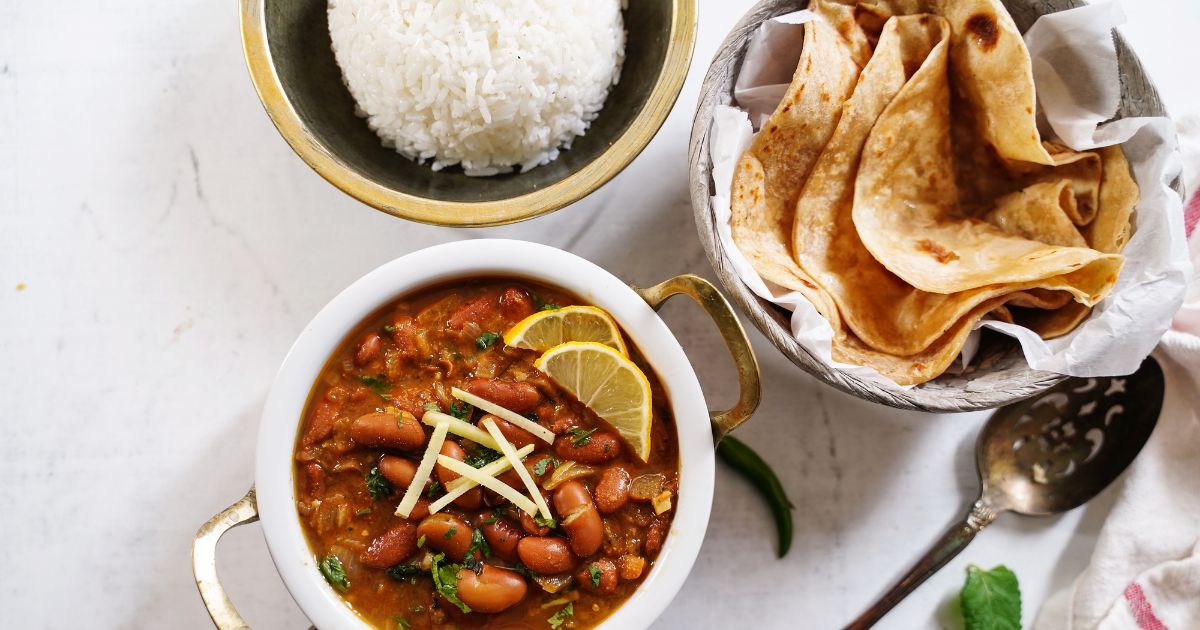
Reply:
x=902, y=186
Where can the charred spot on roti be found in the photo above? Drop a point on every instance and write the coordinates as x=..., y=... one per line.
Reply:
x=939, y=253
x=985, y=30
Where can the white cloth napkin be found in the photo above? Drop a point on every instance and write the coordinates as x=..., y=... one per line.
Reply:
x=1145, y=570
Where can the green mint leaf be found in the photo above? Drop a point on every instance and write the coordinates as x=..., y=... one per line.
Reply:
x=560, y=617
x=335, y=574
x=594, y=572
x=378, y=485
x=485, y=341
x=991, y=600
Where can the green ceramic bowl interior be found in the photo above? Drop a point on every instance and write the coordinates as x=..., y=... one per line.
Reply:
x=298, y=37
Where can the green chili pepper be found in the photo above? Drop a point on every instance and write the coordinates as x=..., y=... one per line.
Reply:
x=743, y=459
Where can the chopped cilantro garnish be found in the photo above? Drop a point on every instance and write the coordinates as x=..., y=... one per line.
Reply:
x=480, y=456
x=477, y=551
x=489, y=520
x=401, y=623
x=560, y=617
x=378, y=485
x=580, y=436
x=450, y=532
x=362, y=511
x=460, y=410
x=406, y=571
x=421, y=541
x=378, y=384
x=545, y=522
x=540, y=467
x=433, y=407
x=445, y=580
x=335, y=574
x=550, y=306
x=391, y=328
x=485, y=341
x=594, y=572
x=434, y=488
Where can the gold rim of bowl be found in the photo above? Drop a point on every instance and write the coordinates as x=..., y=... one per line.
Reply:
x=564, y=192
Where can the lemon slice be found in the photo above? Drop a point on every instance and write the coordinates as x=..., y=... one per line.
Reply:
x=545, y=329
x=608, y=383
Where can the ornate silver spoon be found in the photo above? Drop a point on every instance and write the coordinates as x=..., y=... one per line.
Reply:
x=1045, y=455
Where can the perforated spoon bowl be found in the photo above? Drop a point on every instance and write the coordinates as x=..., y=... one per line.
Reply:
x=1045, y=455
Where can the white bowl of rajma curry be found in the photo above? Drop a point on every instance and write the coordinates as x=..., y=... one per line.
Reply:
x=415, y=470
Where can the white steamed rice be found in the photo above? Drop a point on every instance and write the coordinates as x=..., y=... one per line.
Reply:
x=488, y=84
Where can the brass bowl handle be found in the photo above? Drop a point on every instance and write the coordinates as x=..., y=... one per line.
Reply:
x=717, y=307
x=204, y=561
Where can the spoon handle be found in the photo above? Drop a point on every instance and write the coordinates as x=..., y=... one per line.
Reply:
x=950, y=544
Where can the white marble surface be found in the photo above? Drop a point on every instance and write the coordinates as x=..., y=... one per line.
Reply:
x=171, y=246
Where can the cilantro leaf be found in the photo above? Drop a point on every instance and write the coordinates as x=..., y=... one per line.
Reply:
x=485, y=341
x=401, y=622
x=445, y=580
x=363, y=511
x=421, y=541
x=450, y=532
x=460, y=410
x=433, y=489
x=550, y=306
x=476, y=552
x=405, y=571
x=581, y=436
x=335, y=574
x=991, y=600
x=560, y=617
x=594, y=573
x=539, y=468
x=480, y=456
x=545, y=522
x=433, y=407
x=391, y=328
x=378, y=384
x=378, y=485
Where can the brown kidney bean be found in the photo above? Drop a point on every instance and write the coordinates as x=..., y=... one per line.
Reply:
x=598, y=448
x=531, y=527
x=612, y=490
x=420, y=510
x=515, y=304
x=473, y=499
x=513, y=433
x=368, y=349
x=320, y=426
x=579, y=518
x=446, y=533
x=314, y=480
x=514, y=396
x=607, y=573
x=655, y=534
x=493, y=590
x=392, y=546
x=501, y=535
x=545, y=554
x=477, y=311
x=533, y=461
x=397, y=470
x=388, y=430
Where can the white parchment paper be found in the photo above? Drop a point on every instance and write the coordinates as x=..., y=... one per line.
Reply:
x=1125, y=326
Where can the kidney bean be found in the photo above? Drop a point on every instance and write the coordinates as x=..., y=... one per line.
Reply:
x=404, y=334
x=368, y=349
x=388, y=430
x=392, y=546
x=607, y=570
x=473, y=499
x=314, y=480
x=420, y=510
x=545, y=554
x=655, y=534
x=493, y=590
x=320, y=427
x=477, y=311
x=446, y=533
x=397, y=470
x=501, y=535
x=533, y=460
x=612, y=490
x=531, y=527
x=519, y=437
x=515, y=304
x=579, y=518
x=598, y=448
x=514, y=396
